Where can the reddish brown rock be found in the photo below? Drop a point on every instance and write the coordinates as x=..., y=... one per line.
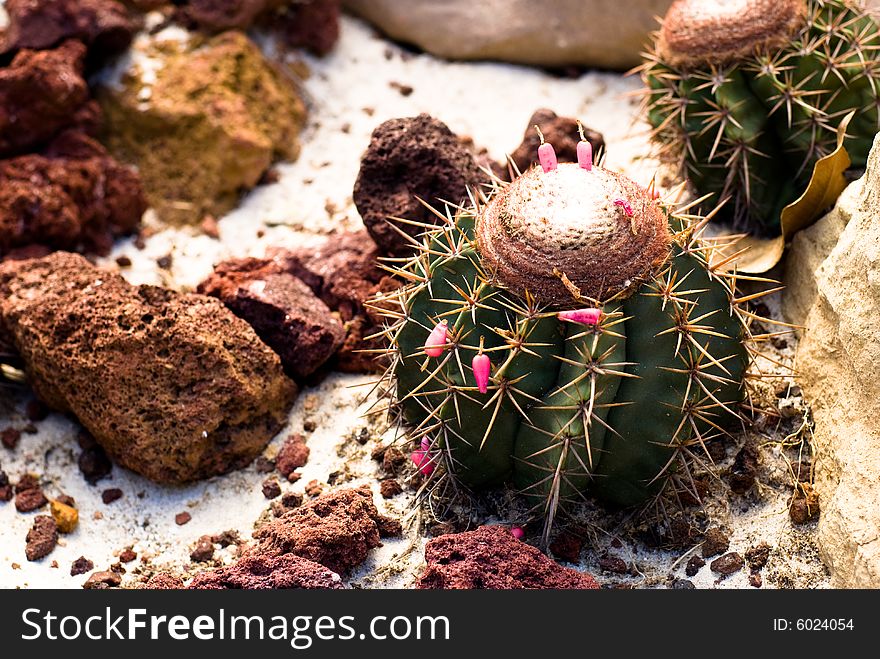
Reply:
x=163, y=581
x=262, y=572
x=313, y=24
x=567, y=546
x=203, y=551
x=561, y=132
x=30, y=500
x=727, y=564
x=9, y=437
x=293, y=454
x=173, y=386
x=490, y=557
x=220, y=15
x=344, y=272
x=283, y=311
x=715, y=542
x=745, y=469
x=102, y=580
x=407, y=160
x=41, y=93
x=80, y=566
x=389, y=488
x=336, y=530
x=42, y=538
x=73, y=196
x=105, y=26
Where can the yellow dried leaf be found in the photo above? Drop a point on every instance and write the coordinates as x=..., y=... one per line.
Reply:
x=825, y=186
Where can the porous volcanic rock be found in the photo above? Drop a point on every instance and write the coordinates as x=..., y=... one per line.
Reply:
x=173, y=386
x=337, y=530
x=73, y=196
x=42, y=538
x=313, y=24
x=409, y=159
x=220, y=15
x=836, y=363
x=561, y=132
x=164, y=581
x=343, y=270
x=41, y=93
x=283, y=311
x=105, y=26
x=594, y=33
x=206, y=127
x=491, y=558
x=262, y=572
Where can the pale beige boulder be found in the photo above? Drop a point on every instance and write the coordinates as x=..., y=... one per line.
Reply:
x=592, y=33
x=838, y=366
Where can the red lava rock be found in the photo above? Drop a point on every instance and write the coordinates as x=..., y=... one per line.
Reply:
x=263, y=465
x=42, y=538
x=5, y=487
x=389, y=488
x=393, y=459
x=694, y=565
x=745, y=469
x=715, y=542
x=756, y=580
x=104, y=25
x=102, y=580
x=343, y=271
x=804, y=504
x=336, y=530
x=567, y=546
x=491, y=558
x=727, y=564
x=220, y=15
x=40, y=94
x=27, y=482
x=111, y=495
x=163, y=581
x=9, y=437
x=262, y=572
x=613, y=564
x=271, y=488
x=408, y=159
x=313, y=24
x=283, y=311
x=227, y=538
x=182, y=518
x=314, y=489
x=73, y=195
x=29, y=500
x=757, y=556
x=203, y=551
x=293, y=455
x=561, y=132
x=127, y=555
x=172, y=385
x=66, y=499
x=80, y=566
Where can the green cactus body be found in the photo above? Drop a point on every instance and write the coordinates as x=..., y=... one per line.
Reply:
x=571, y=408
x=749, y=119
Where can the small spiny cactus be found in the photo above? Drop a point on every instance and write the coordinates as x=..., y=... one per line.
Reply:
x=566, y=334
x=745, y=97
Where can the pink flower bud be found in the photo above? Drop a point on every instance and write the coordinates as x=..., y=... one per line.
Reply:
x=436, y=343
x=482, y=368
x=426, y=444
x=547, y=157
x=624, y=204
x=517, y=532
x=423, y=461
x=585, y=155
x=582, y=316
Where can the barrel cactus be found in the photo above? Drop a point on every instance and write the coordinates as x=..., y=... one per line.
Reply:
x=566, y=334
x=745, y=97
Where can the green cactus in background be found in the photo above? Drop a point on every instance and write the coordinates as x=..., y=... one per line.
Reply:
x=745, y=97
x=565, y=334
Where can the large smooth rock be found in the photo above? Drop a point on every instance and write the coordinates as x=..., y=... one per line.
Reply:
x=173, y=386
x=837, y=363
x=202, y=122
x=554, y=33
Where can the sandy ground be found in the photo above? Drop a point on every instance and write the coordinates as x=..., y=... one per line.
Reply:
x=349, y=93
